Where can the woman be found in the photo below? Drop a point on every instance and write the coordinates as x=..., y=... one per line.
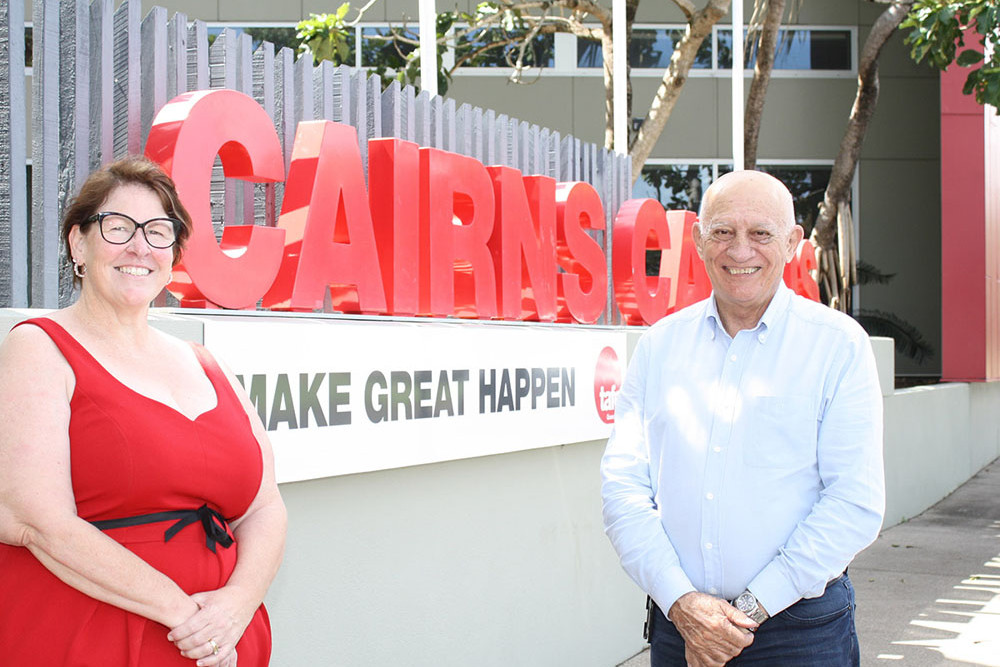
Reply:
x=124, y=452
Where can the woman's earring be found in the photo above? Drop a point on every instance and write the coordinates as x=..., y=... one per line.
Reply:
x=79, y=270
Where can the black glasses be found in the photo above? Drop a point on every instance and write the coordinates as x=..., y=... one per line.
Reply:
x=118, y=228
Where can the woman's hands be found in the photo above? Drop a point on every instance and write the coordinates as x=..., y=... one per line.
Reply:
x=221, y=619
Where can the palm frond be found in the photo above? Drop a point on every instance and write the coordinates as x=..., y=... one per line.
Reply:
x=908, y=339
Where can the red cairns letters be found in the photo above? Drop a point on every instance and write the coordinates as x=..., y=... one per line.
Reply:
x=456, y=212
x=393, y=193
x=797, y=274
x=186, y=136
x=329, y=239
x=583, y=287
x=436, y=234
x=641, y=225
x=524, y=244
x=693, y=284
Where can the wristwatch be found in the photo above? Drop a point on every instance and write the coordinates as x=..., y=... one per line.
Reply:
x=747, y=603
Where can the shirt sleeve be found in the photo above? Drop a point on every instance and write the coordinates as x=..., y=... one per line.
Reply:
x=631, y=516
x=848, y=514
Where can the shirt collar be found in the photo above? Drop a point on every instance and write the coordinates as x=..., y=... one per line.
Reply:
x=775, y=311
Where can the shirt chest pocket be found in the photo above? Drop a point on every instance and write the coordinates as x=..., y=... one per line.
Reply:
x=782, y=432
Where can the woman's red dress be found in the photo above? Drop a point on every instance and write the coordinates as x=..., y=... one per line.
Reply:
x=131, y=455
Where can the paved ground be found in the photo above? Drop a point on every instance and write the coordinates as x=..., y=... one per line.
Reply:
x=929, y=589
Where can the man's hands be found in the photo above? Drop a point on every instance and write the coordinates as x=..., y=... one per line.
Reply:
x=714, y=631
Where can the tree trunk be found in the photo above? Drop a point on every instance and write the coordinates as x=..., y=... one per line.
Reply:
x=836, y=277
x=699, y=27
x=766, y=48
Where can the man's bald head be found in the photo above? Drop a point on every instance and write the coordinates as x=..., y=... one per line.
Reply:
x=751, y=189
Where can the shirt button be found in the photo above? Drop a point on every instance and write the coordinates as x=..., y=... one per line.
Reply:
x=761, y=338
x=708, y=545
x=716, y=449
x=709, y=496
x=713, y=590
x=733, y=358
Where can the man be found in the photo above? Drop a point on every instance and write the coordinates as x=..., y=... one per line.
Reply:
x=744, y=472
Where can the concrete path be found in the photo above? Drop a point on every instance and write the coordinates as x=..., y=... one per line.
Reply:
x=929, y=589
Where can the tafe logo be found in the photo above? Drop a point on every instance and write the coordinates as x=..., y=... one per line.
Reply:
x=607, y=382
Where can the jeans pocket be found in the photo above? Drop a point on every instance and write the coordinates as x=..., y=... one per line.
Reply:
x=834, y=603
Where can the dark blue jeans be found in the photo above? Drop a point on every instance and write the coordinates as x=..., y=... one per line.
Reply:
x=818, y=632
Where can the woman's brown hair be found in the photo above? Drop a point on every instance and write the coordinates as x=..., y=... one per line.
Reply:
x=132, y=170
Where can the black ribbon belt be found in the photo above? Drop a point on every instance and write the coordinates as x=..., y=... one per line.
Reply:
x=213, y=523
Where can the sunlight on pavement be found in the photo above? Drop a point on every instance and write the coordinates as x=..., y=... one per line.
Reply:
x=973, y=617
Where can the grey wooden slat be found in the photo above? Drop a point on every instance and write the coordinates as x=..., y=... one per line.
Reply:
x=222, y=74
x=422, y=114
x=264, y=92
x=502, y=134
x=325, y=91
x=127, y=104
x=463, y=130
x=177, y=61
x=477, y=135
x=542, y=139
x=566, y=159
x=74, y=79
x=342, y=95
x=154, y=76
x=198, y=67
x=45, y=155
x=101, y=82
x=284, y=108
x=244, y=192
x=303, y=88
x=552, y=156
x=447, y=123
x=359, y=107
x=392, y=110
x=490, y=137
x=373, y=106
x=13, y=160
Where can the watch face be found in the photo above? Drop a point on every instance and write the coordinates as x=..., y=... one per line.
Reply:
x=746, y=603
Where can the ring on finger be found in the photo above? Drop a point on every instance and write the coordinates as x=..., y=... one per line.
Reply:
x=215, y=647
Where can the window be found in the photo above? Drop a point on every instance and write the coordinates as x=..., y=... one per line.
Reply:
x=540, y=53
x=798, y=49
x=650, y=48
x=676, y=186
x=27, y=47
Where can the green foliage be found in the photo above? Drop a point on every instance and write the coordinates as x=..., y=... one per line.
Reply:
x=489, y=36
x=938, y=33
x=327, y=36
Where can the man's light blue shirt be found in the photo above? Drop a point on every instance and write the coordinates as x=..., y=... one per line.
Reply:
x=748, y=462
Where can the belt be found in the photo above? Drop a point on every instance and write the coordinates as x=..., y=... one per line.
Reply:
x=213, y=523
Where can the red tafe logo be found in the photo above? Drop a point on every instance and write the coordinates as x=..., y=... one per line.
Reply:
x=607, y=382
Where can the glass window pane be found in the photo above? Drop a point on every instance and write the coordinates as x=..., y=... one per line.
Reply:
x=649, y=48
x=588, y=53
x=797, y=49
x=676, y=186
x=807, y=185
x=468, y=53
x=27, y=47
x=379, y=49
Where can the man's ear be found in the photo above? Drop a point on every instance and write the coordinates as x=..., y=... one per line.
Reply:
x=696, y=237
x=794, y=238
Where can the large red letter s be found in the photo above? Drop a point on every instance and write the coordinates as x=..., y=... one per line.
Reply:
x=187, y=134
